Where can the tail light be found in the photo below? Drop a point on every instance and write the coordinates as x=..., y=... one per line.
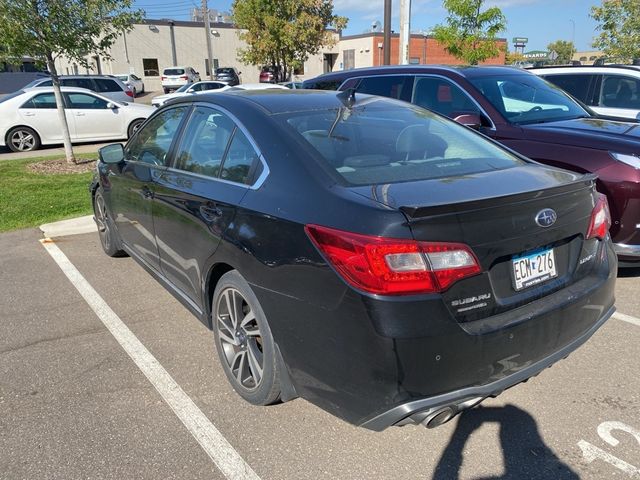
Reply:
x=600, y=219
x=184, y=77
x=129, y=92
x=390, y=266
x=163, y=78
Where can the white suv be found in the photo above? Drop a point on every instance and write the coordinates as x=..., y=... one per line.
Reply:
x=175, y=77
x=612, y=90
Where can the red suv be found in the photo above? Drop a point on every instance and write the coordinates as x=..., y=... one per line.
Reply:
x=529, y=115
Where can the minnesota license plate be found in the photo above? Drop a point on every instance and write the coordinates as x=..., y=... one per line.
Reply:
x=534, y=269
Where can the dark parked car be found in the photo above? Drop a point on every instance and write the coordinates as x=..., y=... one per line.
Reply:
x=228, y=75
x=528, y=115
x=383, y=262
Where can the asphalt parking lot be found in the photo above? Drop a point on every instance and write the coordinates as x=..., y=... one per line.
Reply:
x=75, y=404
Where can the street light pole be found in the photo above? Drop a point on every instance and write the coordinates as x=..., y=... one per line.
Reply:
x=573, y=38
x=207, y=29
x=387, y=32
x=405, y=31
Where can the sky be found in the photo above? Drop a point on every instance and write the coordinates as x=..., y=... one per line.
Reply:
x=541, y=21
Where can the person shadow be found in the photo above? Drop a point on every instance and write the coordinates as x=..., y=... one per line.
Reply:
x=525, y=454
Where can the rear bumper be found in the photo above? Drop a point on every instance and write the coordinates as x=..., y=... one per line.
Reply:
x=417, y=411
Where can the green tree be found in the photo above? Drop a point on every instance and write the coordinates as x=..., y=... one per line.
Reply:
x=284, y=33
x=564, y=49
x=48, y=29
x=619, y=25
x=513, y=57
x=470, y=33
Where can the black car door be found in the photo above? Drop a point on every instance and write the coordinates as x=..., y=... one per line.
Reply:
x=195, y=199
x=131, y=190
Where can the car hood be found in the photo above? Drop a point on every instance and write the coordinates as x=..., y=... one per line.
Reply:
x=139, y=108
x=479, y=187
x=592, y=132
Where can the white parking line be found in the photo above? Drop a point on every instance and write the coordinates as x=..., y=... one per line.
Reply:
x=627, y=318
x=226, y=458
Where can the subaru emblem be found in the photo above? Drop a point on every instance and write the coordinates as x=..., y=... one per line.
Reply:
x=546, y=218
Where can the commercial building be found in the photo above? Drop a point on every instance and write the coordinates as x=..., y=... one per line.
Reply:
x=153, y=45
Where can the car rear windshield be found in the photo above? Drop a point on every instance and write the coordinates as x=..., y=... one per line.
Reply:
x=380, y=142
x=526, y=98
x=174, y=71
x=228, y=71
x=123, y=78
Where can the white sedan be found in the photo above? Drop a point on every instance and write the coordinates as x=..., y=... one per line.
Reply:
x=29, y=118
x=190, y=89
x=135, y=83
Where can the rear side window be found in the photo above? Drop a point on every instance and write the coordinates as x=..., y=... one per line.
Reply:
x=174, y=71
x=442, y=96
x=78, y=82
x=620, y=92
x=388, y=142
x=151, y=143
x=392, y=86
x=576, y=84
x=239, y=160
x=205, y=142
x=106, y=85
x=43, y=100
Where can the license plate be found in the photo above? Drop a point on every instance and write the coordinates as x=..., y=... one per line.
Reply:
x=534, y=269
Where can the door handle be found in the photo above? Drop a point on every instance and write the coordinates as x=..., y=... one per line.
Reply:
x=210, y=213
x=80, y=114
x=29, y=114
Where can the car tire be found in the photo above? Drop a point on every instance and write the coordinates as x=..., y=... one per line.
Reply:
x=166, y=90
x=135, y=94
x=245, y=345
x=22, y=139
x=106, y=229
x=134, y=126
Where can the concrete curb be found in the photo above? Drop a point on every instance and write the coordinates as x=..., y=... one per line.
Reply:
x=73, y=226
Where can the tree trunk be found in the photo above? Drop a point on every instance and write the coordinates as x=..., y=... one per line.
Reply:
x=68, y=149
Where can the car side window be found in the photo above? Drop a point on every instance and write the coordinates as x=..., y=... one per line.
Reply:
x=575, y=84
x=196, y=88
x=620, y=91
x=211, y=86
x=205, y=141
x=46, y=83
x=85, y=101
x=239, y=160
x=78, y=82
x=391, y=86
x=106, y=85
x=152, y=142
x=442, y=96
x=43, y=100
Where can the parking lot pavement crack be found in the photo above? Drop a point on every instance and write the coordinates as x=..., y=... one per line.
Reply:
x=51, y=339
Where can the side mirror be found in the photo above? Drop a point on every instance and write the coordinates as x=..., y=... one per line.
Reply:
x=112, y=106
x=111, y=154
x=191, y=90
x=471, y=120
x=197, y=73
x=239, y=73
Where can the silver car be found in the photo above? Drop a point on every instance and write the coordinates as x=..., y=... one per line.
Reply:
x=106, y=86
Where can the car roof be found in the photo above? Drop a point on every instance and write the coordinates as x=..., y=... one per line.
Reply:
x=274, y=101
x=64, y=89
x=469, y=71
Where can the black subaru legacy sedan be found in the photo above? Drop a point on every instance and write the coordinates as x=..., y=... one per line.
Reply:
x=381, y=261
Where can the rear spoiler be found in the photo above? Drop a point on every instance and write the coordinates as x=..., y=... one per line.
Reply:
x=417, y=212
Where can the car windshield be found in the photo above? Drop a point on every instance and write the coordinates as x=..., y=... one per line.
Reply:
x=122, y=78
x=33, y=83
x=185, y=87
x=380, y=142
x=526, y=98
x=174, y=71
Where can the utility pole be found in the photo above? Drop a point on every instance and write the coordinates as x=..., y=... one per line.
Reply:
x=405, y=31
x=207, y=29
x=387, y=32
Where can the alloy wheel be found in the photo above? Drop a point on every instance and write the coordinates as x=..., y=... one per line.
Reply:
x=102, y=222
x=23, y=140
x=240, y=339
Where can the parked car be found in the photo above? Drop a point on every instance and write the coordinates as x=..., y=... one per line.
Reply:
x=175, y=77
x=529, y=115
x=269, y=75
x=189, y=89
x=379, y=260
x=608, y=90
x=134, y=82
x=29, y=118
x=257, y=86
x=105, y=85
x=228, y=75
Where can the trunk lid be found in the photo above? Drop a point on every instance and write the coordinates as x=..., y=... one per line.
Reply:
x=495, y=214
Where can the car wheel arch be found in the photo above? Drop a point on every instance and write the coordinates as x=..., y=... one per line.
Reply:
x=211, y=281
